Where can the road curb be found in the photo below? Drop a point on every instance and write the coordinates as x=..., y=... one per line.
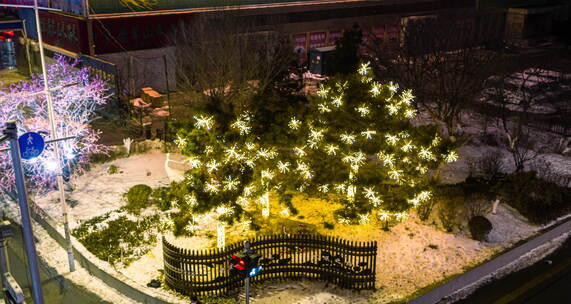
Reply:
x=487, y=270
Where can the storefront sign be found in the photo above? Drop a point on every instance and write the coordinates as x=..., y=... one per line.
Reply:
x=300, y=44
x=317, y=39
x=63, y=31
x=106, y=71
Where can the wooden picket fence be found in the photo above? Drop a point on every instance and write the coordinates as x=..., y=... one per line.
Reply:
x=207, y=272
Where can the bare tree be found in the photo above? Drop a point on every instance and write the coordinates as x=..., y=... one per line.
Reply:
x=442, y=59
x=516, y=92
x=224, y=59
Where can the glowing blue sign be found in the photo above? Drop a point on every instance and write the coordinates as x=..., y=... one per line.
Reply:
x=255, y=271
x=31, y=145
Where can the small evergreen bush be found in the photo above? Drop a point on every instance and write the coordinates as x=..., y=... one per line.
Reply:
x=138, y=198
x=480, y=227
x=113, y=169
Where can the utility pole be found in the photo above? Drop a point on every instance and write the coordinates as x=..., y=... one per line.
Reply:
x=11, y=134
x=54, y=135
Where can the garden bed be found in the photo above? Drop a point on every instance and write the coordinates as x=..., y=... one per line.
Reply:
x=411, y=254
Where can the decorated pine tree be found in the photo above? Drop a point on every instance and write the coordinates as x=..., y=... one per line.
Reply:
x=359, y=145
x=356, y=146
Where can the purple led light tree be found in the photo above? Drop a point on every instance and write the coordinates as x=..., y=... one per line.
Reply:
x=75, y=96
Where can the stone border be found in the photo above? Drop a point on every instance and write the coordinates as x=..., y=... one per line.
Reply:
x=487, y=270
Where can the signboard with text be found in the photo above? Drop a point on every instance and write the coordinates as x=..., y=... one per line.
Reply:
x=64, y=31
x=106, y=71
x=300, y=45
x=317, y=39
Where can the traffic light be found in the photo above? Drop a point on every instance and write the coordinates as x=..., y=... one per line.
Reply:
x=253, y=267
x=240, y=263
x=246, y=264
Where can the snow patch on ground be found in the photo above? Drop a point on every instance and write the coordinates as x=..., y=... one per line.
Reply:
x=98, y=192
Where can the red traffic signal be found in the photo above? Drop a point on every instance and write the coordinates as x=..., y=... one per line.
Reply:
x=240, y=263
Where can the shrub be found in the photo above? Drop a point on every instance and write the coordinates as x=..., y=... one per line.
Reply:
x=138, y=198
x=480, y=227
x=104, y=235
x=490, y=165
x=110, y=155
x=113, y=169
x=161, y=198
x=537, y=200
x=449, y=200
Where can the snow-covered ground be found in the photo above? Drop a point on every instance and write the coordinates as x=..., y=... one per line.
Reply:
x=412, y=255
x=98, y=192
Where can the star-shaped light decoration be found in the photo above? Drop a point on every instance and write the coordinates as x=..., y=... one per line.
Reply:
x=193, y=162
x=408, y=146
x=451, y=157
x=211, y=186
x=348, y=138
x=376, y=89
x=384, y=216
x=204, y=122
x=230, y=184
x=391, y=139
x=267, y=174
x=368, y=134
x=364, y=68
x=212, y=166
x=393, y=109
x=425, y=153
x=323, y=188
x=299, y=151
x=294, y=123
x=407, y=97
x=337, y=101
x=331, y=149
x=283, y=167
x=323, y=108
x=242, y=124
x=180, y=141
x=363, y=110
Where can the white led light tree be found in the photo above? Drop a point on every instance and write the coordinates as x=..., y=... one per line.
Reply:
x=358, y=145
x=76, y=97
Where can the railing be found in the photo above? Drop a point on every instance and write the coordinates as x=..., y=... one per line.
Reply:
x=206, y=272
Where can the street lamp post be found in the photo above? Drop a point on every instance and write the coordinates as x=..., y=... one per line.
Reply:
x=54, y=134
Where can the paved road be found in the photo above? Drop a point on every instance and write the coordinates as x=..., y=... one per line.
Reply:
x=546, y=282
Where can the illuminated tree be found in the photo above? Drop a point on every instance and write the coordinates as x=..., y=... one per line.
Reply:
x=357, y=146
x=360, y=146
x=76, y=97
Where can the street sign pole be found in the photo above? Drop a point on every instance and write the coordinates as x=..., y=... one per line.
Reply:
x=11, y=133
x=246, y=249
